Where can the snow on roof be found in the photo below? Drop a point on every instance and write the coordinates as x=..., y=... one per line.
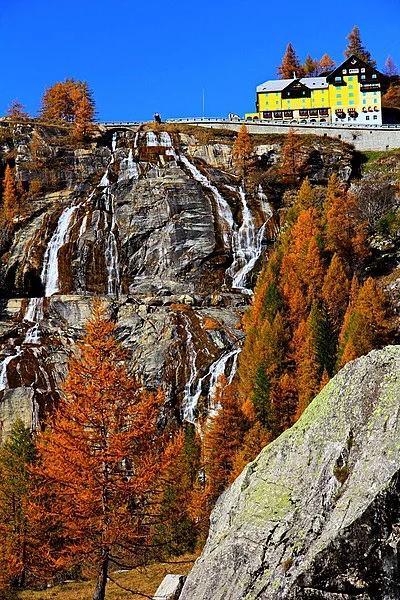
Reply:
x=277, y=85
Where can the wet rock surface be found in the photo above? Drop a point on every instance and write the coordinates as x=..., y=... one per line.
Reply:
x=316, y=515
x=157, y=225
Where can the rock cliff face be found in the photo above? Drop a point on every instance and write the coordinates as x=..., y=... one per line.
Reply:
x=157, y=225
x=316, y=515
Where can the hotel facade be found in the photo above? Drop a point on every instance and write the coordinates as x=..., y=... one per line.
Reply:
x=350, y=94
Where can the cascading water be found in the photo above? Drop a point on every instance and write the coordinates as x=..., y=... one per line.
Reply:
x=246, y=244
x=224, y=210
x=217, y=369
x=49, y=273
x=151, y=139
x=111, y=247
x=189, y=398
x=50, y=270
x=128, y=168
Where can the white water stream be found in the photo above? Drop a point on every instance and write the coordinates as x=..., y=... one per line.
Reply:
x=224, y=211
x=34, y=313
x=218, y=368
x=247, y=244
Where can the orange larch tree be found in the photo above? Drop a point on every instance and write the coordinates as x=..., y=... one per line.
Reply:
x=292, y=158
x=99, y=461
x=223, y=437
x=16, y=111
x=346, y=231
x=365, y=325
x=69, y=101
x=335, y=291
x=10, y=197
x=326, y=64
x=243, y=153
x=290, y=66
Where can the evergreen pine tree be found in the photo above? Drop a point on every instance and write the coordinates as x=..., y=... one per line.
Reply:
x=17, y=455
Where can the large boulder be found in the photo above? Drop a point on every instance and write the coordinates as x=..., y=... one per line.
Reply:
x=317, y=514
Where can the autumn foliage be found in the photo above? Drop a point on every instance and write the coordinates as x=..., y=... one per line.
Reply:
x=70, y=101
x=100, y=459
x=313, y=309
x=243, y=152
x=13, y=198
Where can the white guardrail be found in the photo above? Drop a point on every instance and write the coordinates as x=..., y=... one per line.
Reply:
x=251, y=122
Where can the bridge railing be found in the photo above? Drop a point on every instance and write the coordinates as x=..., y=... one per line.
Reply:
x=257, y=122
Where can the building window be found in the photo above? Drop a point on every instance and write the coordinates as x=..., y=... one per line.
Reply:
x=338, y=87
x=351, y=101
x=338, y=95
x=374, y=76
x=367, y=118
x=339, y=103
x=350, y=79
x=364, y=93
x=364, y=102
x=362, y=76
x=351, y=94
x=338, y=79
x=375, y=100
x=375, y=93
x=351, y=86
x=375, y=116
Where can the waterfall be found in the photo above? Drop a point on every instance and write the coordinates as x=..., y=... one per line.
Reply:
x=114, y=142
x=3, y=372
x=49, y=273
x=218, y=368
x=151, y=139
x=190, y=399
x=224, y=210
x=247, y=243
x=34, y=314
x=111, y=248
x=128, y=168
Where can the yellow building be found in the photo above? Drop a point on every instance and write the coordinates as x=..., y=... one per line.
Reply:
x=351, y=93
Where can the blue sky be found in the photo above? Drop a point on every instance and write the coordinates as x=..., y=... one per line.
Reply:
x=153, y=55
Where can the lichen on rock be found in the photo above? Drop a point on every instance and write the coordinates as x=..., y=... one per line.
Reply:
x=290, y=528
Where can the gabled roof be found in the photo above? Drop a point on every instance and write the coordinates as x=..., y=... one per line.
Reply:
x=274, y=85
x=353, y=62
x=278, y=85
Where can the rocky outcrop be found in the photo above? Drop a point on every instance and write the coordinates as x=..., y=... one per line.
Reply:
x=170, y=587
x=316, y=515
x=158, y=225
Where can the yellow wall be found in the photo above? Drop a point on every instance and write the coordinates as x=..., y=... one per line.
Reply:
x=269, y=101
x=335, y=97
x=350, y=96
x=273, y=101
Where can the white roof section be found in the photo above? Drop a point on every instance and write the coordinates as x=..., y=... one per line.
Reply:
x=274, y=85
x=278, y=85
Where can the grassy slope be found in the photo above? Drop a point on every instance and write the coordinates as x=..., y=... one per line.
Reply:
x=145, y=580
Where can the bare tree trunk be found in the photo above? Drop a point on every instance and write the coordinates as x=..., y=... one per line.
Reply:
x=100, y=591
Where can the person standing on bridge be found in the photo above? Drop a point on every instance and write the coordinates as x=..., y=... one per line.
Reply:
x=157, y=118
